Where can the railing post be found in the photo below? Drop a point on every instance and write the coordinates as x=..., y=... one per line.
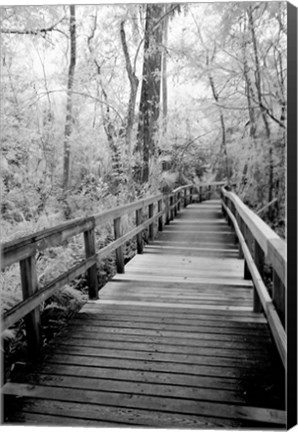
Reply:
x=32, y=320
x=176, y=204
x=89, y=240
x=200, y=194
x=278, y=296
x=185, y=198
x=160, y=219
x=209, y=192
x=190, y=194
x=240, y=224
x=179, y=204
x=259, y=261
x=119, y=250
x=151, y=226
x=171, y=209
x=140, y=243
x=167, y=218
x=247, y=275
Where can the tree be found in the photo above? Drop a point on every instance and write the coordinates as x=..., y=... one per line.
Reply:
x=150, y=92
x=69, y=101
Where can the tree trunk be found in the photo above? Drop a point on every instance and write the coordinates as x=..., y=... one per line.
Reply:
x=223, y=146
x=134, y=82
x=150, y=93
x=260, y=101
x=108, y=124
x=164, y=72
x=251, y=113
x=257, y=72
x=69, y=116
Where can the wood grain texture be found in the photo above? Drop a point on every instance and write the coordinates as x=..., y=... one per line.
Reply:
x=173, y=342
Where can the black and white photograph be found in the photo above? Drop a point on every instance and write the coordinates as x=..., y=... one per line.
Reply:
x=144, y=215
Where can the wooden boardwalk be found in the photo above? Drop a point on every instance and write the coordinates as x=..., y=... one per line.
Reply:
x=173, y=342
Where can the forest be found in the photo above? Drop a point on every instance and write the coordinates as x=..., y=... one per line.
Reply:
x=106, y=104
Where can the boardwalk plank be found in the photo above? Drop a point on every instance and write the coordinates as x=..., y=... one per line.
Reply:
x=173, y=342
x=175, y=405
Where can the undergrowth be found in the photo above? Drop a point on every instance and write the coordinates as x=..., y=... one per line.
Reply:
x=60, y=307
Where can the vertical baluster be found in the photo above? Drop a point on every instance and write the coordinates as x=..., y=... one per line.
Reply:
x=167, y=210
x=151, y=226
x=179, y=201
x=119, y=250
x=91, y=274
x=176, y=203
x=259, y=261
x=160, y=219
x=140, y=243
x=240, y=224
x=185, y=197
x=32, y=320
x=247, y=275
x=209, y=191
x=278, y=296
x=171, y=208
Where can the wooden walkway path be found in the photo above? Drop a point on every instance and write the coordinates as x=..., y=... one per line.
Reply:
x=173, y=342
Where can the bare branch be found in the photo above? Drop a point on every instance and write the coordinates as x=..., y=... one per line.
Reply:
x=34, y=32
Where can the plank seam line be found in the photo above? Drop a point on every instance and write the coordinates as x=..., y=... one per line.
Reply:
x=173, y=305
x=157, y=361
x=175, y=411
x=174, y=329
x=131, y=369
x=165, y=384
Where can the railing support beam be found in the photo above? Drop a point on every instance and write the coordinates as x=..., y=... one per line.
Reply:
x=32, y=320
x=140, y=243
x=119, y=251
x=89, y=240
x=160, y=219
x=151, y=226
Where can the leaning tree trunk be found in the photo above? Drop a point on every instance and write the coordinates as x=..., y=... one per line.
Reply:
x=69, y=115
x=150, y=93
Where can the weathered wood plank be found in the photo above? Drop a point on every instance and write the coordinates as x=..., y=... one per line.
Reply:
x=261, y=346
x=174, y=405
x=219, y=351
x=161, y=366
x=162, y=357
x=127, y=416
x=173, y=342
x=161, y=325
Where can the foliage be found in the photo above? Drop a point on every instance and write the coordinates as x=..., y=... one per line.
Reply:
x=223, y=97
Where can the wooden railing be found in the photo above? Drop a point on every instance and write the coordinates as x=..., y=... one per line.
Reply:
x=258, y=244
x=160, y=208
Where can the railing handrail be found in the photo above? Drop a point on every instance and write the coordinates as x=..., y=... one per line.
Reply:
x=79, y=224
x=266, y=244
x=273, y=246
x=23, y=250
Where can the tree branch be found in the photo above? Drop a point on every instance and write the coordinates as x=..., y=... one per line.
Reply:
x=34, y=32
